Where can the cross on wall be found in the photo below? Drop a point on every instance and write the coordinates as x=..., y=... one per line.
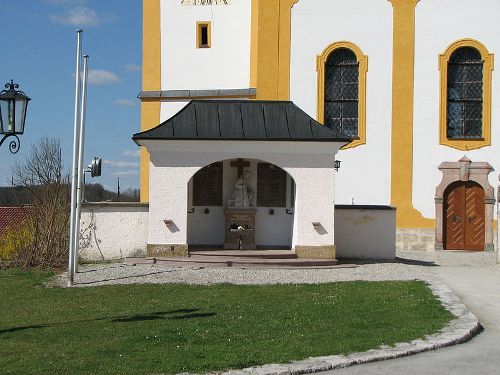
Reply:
x=240, y=164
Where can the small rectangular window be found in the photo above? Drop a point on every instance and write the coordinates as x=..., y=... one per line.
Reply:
x=203, y=34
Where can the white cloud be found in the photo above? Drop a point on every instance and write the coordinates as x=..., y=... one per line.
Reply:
x=125, y=102
x=80, y=16
x=121, y=164
x=102, y=77
x=125, y=174
x=133, y=68
x=132, y=153
x=66, y=2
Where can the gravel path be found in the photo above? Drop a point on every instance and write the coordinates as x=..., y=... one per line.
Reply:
x=116, y=273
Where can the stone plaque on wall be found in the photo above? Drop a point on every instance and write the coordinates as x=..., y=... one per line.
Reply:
x=271, y=186
x=243, y=217
x=207, y=186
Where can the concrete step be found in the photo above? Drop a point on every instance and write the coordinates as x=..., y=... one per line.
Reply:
x=263, y=254
x=229, y=261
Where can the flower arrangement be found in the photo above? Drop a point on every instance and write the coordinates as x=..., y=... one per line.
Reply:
x=235, y=226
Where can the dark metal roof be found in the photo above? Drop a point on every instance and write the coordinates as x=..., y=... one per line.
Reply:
x=245, y=120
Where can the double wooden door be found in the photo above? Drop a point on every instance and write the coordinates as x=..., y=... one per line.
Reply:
x=464, y=224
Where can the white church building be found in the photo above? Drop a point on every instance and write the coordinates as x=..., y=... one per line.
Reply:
x=246, y=105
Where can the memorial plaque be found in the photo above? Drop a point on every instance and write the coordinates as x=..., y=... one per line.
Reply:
x=207, y=186
x=271, y=186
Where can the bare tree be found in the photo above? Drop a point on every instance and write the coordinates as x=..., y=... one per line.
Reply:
x=48, y=191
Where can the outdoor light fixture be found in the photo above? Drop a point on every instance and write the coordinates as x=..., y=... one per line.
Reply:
x=13, y=106
x=337, y=165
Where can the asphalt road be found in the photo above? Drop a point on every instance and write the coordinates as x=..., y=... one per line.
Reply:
x=479, y=289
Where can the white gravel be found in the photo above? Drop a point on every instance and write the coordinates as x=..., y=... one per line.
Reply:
x=105, y=274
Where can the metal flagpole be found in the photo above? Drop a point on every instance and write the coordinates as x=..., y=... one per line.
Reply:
x=71, y=274
x=81, y=147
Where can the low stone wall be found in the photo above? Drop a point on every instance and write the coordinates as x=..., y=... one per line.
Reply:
x=113, y=230
x=365, y=232
x=420, y=239
x=119, y=230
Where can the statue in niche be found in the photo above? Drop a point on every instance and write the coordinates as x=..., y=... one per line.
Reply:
x=242, y=195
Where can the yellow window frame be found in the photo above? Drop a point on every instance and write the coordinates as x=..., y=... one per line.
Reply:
x=488, y=62
x=200, y=25
x=363, y=69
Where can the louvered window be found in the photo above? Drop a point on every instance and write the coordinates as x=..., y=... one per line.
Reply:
x=342, y=92
x=465, y=94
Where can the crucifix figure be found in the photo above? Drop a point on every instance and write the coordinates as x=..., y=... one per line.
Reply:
x=240, y=164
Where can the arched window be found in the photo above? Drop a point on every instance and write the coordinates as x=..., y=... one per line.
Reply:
x=342, y=90
x=466, y=95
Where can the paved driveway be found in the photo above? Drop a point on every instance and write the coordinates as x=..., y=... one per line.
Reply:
x=479, y=289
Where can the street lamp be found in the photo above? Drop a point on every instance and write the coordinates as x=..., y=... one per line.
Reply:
x=13, y=106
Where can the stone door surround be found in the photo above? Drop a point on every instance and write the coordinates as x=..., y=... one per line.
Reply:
x=466, y=170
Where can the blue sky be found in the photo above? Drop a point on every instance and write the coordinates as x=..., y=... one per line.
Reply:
x=38, y=42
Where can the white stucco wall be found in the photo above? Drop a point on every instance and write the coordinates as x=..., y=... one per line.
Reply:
x=226, y=65
x=173, y=163
x=365, y=173
x=439, y=23
x=365, y=233
x=113, y=230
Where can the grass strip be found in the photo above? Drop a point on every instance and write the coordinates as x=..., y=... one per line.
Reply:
x=152, y=329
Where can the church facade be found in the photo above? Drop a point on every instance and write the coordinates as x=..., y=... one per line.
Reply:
x=411, y=82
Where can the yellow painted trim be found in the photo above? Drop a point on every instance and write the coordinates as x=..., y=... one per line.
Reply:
x=199, y=26
x=271, y=44
x=363, y=69
x=465, y=144
x=402, y=116
x=254, y=43
x=151, y=81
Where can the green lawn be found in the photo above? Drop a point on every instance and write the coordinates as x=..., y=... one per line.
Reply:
x=151, y=329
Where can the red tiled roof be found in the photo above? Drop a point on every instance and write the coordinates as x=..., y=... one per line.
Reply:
x=11, y=216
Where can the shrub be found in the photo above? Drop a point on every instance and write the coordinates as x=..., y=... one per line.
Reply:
x=15, y=240
x=46, y=239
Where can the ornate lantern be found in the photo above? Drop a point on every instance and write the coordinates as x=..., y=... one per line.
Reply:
x=13, y=106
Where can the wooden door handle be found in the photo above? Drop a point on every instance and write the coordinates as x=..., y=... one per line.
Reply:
x=470, y=218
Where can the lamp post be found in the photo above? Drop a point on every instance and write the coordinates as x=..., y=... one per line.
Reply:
x=13, y=106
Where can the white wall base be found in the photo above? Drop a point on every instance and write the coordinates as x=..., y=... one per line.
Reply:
x=365, y=232
x=113, y=231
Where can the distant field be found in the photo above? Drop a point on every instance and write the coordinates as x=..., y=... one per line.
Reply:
x=152, y=329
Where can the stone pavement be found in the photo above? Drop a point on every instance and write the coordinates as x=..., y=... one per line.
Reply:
x=479, y=289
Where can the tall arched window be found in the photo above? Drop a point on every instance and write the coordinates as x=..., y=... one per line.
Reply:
x=466, y=95
x=342, y=90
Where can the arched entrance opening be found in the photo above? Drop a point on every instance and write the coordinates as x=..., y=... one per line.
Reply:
x=246, y=192
x=464, y=216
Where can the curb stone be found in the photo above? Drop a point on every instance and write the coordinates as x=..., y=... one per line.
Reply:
x=465, y=326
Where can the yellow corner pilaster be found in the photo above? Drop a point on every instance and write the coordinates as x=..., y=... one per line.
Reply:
x=254, y=43
x=402, y=116
x=151, y=81
x=270, y=48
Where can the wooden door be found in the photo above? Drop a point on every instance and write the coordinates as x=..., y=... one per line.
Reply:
x=464, y=217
